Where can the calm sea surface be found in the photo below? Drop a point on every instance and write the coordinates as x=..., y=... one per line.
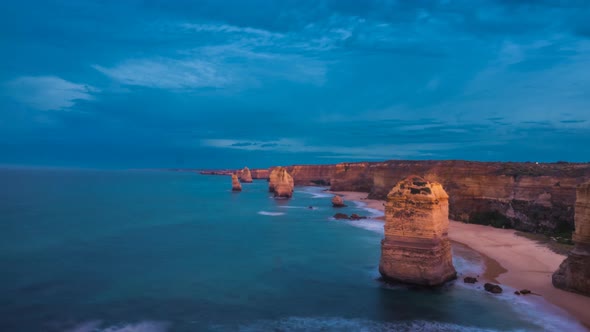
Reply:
x=124, y=251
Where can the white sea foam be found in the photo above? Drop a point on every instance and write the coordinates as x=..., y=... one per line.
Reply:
x=266, y=213
x=315, y=192
x=296, y=324
x=145, y=326
x=368, y=224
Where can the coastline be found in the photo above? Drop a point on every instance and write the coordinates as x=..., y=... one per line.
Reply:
x=510, y=260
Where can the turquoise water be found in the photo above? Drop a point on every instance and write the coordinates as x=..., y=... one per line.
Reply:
x=163, y=251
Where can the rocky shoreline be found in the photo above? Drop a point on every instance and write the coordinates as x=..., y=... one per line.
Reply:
x=531, y=197
x=510, y=260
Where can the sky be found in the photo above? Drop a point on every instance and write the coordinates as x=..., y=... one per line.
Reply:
x=223, y=84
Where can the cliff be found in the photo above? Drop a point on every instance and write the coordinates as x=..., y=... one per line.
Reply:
x=416, y=248
x=574, y=273
x=526, y=196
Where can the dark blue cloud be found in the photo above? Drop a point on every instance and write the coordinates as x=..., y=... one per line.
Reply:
x=225, y=83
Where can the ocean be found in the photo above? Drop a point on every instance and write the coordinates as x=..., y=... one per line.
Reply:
x=155, y=251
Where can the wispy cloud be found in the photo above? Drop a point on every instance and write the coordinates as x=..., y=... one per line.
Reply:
x=168, y=73
x=48, y=92
x=370, y=151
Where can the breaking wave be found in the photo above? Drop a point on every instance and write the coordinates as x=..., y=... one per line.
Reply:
x=274, y=214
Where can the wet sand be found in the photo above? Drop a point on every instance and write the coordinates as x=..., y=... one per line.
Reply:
x=510, y=260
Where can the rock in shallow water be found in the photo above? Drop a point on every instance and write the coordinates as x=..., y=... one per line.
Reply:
x=416, y=248
x=337, y=201
x=280, y=183
x=574, y=273
x=341, y=216
x=469, y=280
x=492, y=288
x=235, y=183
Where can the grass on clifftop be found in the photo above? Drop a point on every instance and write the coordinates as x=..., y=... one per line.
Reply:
x=550, y=242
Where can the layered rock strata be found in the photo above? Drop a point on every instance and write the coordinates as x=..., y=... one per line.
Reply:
x=245, y=175
x=574, y=273
x=281, y=183
x=235, y=183
x=416, y=248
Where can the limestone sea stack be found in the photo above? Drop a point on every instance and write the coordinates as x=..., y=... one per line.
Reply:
x=245, y=175
x=574, y=273
x=235, y=183
x=280, y=183
x=416, y=247
x=337, y=201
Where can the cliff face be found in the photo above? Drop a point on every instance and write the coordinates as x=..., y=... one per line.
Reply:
x=526, y=196
x=281, y=183
x=310, y=175
x=416, y=248
x=245, y=175
x=574, y=273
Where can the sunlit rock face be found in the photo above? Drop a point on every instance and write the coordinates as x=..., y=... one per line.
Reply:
x=574, y=273
x=245, y=175
x=235, y=183
x=416, y=248
x=281, y=183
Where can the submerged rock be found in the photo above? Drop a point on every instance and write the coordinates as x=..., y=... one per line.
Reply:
x=245, y=175
x=337, y=201
x=416, y=248
x=492, y=288
x=355, y=216
x=574, y=273
x=235, y=183
x=280, y=183
x=341, y=216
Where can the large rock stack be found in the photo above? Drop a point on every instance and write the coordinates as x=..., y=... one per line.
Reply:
x=574, y=273
x=280, y=183
x=416, y=248
x=235, y=183
x=245, y=175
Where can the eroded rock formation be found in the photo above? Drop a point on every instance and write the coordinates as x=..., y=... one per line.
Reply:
x=337, y=201
x=526, y=196
x=235, y=183
x=245, y=175
x=416, y=248
x=574, y=273
x=280, y=183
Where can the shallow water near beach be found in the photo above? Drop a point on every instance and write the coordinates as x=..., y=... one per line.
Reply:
x=168, y=251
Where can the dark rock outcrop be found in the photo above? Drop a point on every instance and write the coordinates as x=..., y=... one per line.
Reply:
x=341, y=216
x=492, y=288
x=416, y=248
x=469, y=280
x=574, y=273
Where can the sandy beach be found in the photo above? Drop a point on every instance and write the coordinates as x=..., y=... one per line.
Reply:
x=511, y=260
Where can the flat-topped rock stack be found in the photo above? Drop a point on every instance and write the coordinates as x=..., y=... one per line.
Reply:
x=235, y=183
x=280, y=183
x=574, y=273
x=416, y=248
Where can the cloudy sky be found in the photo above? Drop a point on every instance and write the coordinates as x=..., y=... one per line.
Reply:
x=216, y=83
